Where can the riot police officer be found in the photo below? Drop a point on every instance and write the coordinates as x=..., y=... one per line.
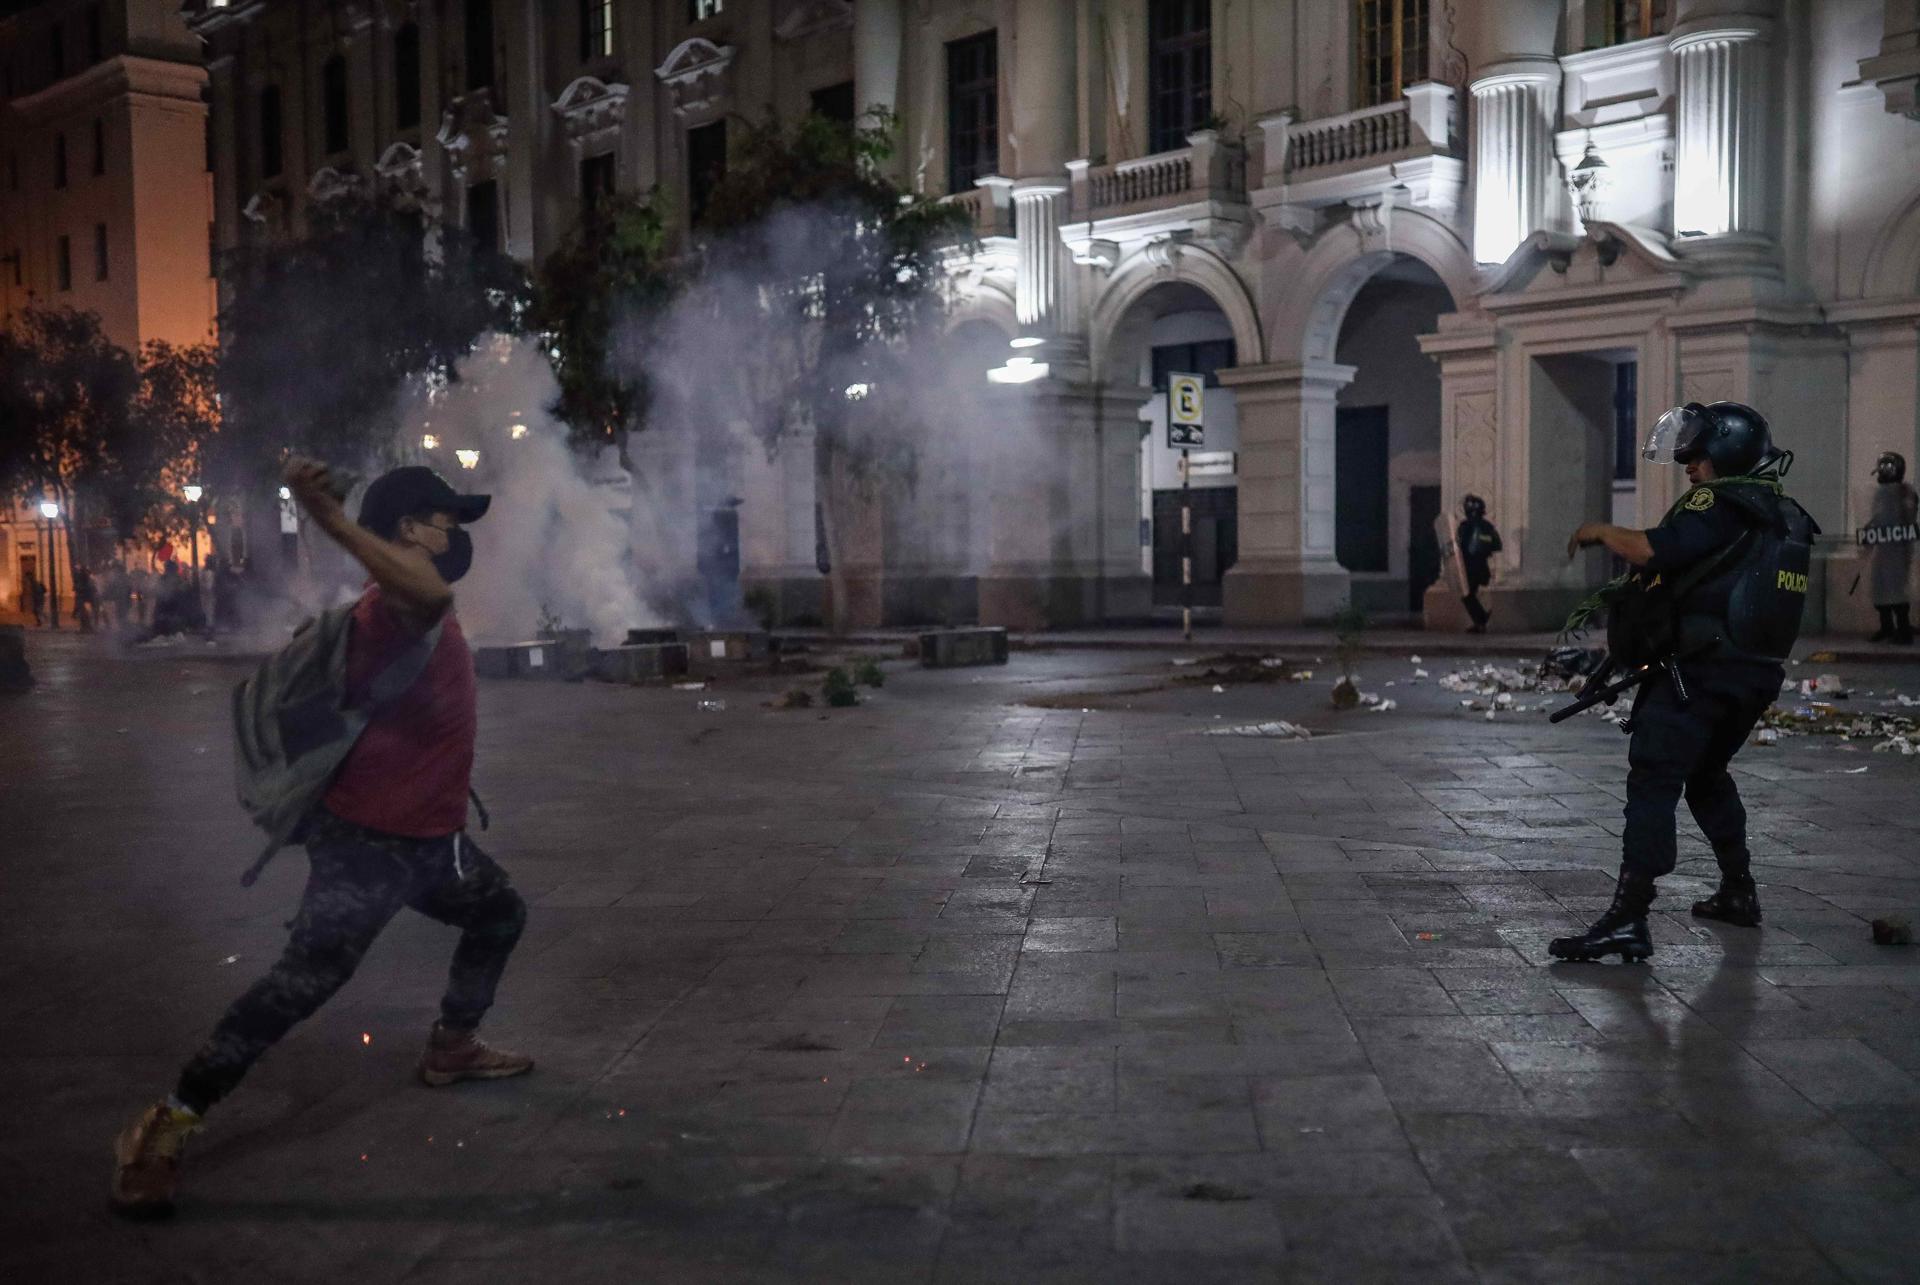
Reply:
x=1889, y=537
x=1727, y=609
x=1477, y=541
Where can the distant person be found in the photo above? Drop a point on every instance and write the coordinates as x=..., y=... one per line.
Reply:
x=389, y=832
x=226, y=595
x=86, y=600
x=140, y=584
x=1477, y=542
x=119, y=595
x=1889, y=537
x=37, y=596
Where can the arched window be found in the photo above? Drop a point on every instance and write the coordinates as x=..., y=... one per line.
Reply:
x=333, y=92
x=406, y=77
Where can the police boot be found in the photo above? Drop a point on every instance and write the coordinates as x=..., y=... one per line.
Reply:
x=1620, y=930
x=1902, y=626
x=1737, y=902
x=1885, y=632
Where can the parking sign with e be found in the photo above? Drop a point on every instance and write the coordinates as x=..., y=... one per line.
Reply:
x=1185, y=413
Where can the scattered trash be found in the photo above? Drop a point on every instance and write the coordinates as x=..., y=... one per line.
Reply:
x=689, y=687
x=1300, y=675
x=230, y=959
x=1273, y=662
x=1278, y=729
x=1894, y=930
x=1218, y=690
x=1572, y=662
x=1767, y=736
x=1421, y=673
x=1828, y=685
x=1378, y=704
x=1237, y=667
x=1426, y=936
x=1845, y=771
x=712, y=707
x=1187, y=660
x=1823, y=658
x=1490, y=714
x=1413, y=660
x=1032, y=879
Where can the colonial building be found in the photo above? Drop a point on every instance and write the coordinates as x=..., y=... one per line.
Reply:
x=1413, y=249
x=105, y=199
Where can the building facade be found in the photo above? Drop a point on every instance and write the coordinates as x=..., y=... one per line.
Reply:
x=1412, y=249
x=105, y=197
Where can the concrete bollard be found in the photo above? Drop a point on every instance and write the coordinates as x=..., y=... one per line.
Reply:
x=15, y=674
x=952, y=648
x=640, y=662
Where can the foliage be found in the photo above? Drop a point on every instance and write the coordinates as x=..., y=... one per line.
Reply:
x=323, y=331
x=849, y=271
x=838, y=689
x=175, y=439
x=1349, y=628
x=609, y=275
x=868, y=674
x=65, y=391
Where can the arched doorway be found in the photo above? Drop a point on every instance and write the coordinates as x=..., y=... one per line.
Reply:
x=1387, y=459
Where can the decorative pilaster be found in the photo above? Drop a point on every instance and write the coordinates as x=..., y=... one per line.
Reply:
x=1515, y=180
x=1722, y=110
x=1287, y=572
x=1037, y=282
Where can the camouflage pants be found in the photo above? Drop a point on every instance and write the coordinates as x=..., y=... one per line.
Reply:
x=359, y=881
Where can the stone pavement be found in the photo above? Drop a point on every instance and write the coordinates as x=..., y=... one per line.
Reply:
x=1008, y=975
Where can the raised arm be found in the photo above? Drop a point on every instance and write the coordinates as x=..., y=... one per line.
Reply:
x=404, y=573
x=1621, y=541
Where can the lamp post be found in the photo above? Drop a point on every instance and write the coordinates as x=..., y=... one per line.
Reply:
x=191, y=492
x=51, y=512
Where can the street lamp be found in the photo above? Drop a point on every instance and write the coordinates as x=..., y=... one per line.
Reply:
x=51, y=512
x=192, y=493
x=468, y=458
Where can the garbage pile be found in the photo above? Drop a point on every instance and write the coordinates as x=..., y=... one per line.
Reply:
x=1497, y=688
x=1818, y=712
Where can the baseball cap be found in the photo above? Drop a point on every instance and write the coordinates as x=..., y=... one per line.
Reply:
x=411, y=491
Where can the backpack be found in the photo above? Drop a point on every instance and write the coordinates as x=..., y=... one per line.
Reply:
x=292, y=726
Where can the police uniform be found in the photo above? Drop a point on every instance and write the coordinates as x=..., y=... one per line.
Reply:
x=1683, y=750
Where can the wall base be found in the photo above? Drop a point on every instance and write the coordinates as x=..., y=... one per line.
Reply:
x=1063, y=602
x=1282, y=595
x=791, y=601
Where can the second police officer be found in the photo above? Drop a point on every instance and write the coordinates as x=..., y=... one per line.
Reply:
x=1708, y=614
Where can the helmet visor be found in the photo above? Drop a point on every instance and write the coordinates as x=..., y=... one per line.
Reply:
x=1677, y=435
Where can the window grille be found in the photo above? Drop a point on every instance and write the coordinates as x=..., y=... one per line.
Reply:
x=596, y=29
x=973, y=110
x=1179, y=71
x=1391, y=41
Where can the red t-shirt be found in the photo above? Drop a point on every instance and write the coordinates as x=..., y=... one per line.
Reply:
x=408, y=773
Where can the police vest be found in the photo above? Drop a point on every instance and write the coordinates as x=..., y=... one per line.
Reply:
x=1743, y=602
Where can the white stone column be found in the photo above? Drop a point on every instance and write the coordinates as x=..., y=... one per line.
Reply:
x=1516, y=181
x=1043, y=89
x=522, y=34
x=1038, y=271
x=878, y=30
x=1287, y=572
x=1721, y=116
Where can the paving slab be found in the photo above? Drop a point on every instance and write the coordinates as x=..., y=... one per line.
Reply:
x=1008, y=974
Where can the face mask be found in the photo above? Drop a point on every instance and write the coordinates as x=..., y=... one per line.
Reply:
x=455, y=562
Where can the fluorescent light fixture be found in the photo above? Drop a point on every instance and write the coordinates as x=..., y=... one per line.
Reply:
x=428, y=442
x=467, y=458
x=193, y=492
x=1026, y=341
x=1018, y=370
x=286, y=493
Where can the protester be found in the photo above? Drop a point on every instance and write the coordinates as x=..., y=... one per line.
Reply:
x=226, y=595
x=86, y=600
x=390, y=831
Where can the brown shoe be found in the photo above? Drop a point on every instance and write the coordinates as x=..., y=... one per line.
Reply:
x=147, y=1160
x=453, y=1056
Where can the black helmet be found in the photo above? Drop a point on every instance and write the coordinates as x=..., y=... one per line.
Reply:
x=1731, y=435
x=1474, y=507
x=1890, y=461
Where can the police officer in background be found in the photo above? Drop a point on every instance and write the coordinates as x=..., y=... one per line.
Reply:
x=1708, y=581
x=1477, y=541
x=1889, y=537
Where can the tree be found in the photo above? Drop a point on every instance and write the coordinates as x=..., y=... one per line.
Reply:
x=608, y=277
x=176, y=440
x=322, y=332
x=65, y=392
x=846, y=270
